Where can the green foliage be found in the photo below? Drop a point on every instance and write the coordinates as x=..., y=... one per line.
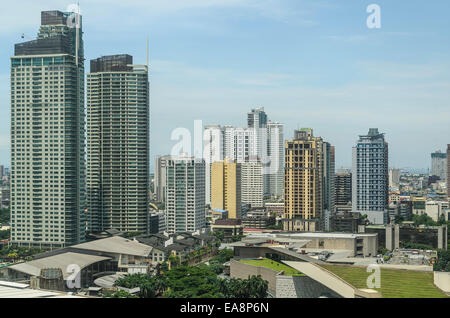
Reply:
x=4, y=216
x=254, y=287
x=131, y=234
x=382, y=250
x=21, y=252
x=271, y=264
x=216, y=267
x=119, y=294
x=428, y=221
x=4, y=235
x=150, y=286
x=394, y=283
x=443, y=261
x=219, y=235
x=416, y=246
x=278, y=226
x=399, y=219
x=224, y=256
x=236, y=238
x=164, y=267
x=423, y=220
x=194, y=282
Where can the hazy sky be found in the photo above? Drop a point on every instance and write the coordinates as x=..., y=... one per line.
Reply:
x=309, y=63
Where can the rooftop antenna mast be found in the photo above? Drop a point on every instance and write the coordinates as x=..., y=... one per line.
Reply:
x=148, y=53
x=77, y=32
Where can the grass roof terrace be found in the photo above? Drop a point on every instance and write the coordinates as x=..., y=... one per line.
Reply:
x=394, y=283
x=273, y=265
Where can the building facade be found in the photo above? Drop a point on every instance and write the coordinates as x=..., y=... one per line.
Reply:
x=370, y=184
x=47, y=135
x=185, y=194
x=343, y=188
x=328, y=172
x=275, y=153
x=213, y=150
x=439, y=165
x=252, y=191
x=226, y=177
x=262, y=140
x=117, y=145
x=394, y=178
x=303, y=187
x=160, y=178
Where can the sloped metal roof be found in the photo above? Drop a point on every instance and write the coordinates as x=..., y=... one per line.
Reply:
x=117, y=245
x=61, y=261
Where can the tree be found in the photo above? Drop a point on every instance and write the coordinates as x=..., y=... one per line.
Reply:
x=131, y=234
x=278, y=226
x=120, y=294
x=4, y=216
x=443, y=261
x=192, y=282
x=13, y=255
x=224, y=256
x=423, y=220
x=150, y=286
x=254, y=287
x=236, y=238
x=4, y=235
x=219, y=235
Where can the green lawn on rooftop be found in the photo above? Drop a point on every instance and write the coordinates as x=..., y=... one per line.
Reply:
x=394, y=283
x=268, y=263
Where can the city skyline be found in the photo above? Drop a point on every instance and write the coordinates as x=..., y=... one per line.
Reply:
x=195, y=64
x=225, y=149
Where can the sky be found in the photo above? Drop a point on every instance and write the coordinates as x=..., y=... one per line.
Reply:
x=309, y=63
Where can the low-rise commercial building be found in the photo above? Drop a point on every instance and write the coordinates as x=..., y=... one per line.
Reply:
x=393, y=236
x=356, y=245
x=258, y=219
x=346, y=221
x=230, y=227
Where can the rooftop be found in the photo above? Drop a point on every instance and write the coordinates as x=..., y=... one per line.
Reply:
x=15, y=290
x=117, y=245
x=313, y=235
x=61, y=261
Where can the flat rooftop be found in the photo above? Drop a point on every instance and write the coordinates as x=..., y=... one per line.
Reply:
x=17, y=290
x=306, y=235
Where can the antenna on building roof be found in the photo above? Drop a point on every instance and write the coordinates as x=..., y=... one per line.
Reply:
x=148, y=53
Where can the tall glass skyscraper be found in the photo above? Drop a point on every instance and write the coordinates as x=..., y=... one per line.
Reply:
x=47, y=135
x=370, y=177
x=117, y=145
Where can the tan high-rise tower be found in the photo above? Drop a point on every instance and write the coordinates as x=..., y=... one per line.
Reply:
x=304, y=174
x=226, y=187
